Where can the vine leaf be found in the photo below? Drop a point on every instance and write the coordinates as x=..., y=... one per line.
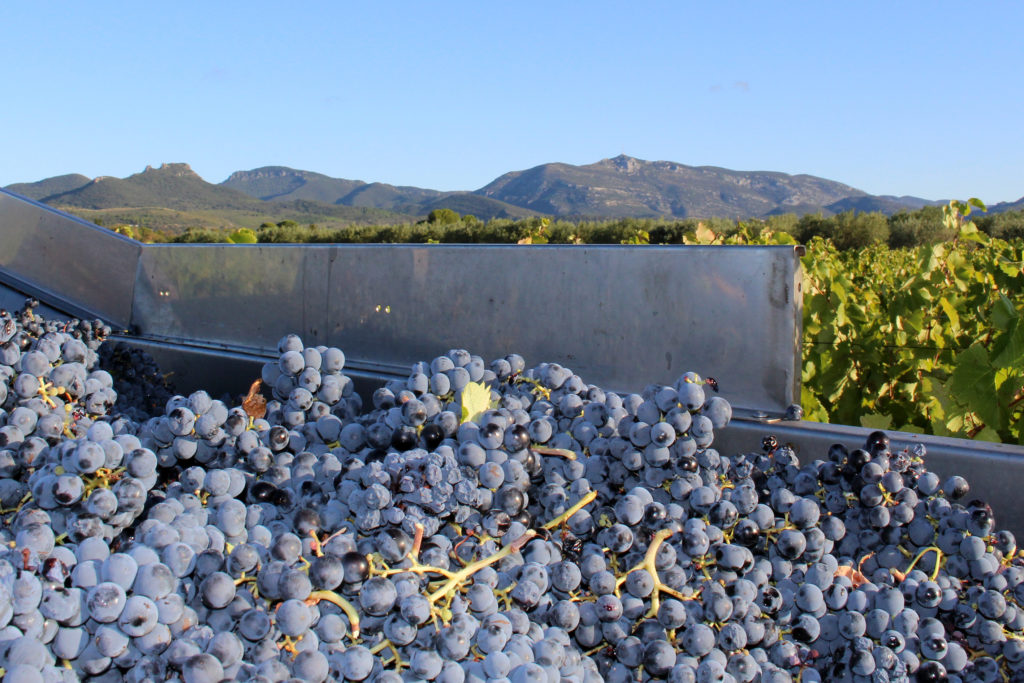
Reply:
x=1008, y=349
x=475, y=399
x=973, y=384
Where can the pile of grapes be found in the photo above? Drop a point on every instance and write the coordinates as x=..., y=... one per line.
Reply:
x=473, y=523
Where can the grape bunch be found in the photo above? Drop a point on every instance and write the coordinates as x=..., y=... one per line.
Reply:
x=473, y=522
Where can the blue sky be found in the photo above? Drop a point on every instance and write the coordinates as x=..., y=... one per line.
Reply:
x=912, y=98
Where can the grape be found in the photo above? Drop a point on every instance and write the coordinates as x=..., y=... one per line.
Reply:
x=106, y=601
x=357, y=663
x=139, y=616
x=377, y=596
x=227, y=540
x=202, y=668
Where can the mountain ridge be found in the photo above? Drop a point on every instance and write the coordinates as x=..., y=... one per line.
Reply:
x=616, y=187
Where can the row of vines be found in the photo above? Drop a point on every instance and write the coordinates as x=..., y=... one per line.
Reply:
x=929, y=339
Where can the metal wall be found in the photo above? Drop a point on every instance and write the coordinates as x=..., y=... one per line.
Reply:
x=59, y=258
x=621, y=317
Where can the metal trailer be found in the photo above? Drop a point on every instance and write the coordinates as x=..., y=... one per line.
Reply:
x=621, y=317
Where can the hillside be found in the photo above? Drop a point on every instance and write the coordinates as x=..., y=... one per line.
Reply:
x=42, y=189
x=171, y=186
x=1002, y=207
x=625, y=186
x=282, y=183
x=174, y=197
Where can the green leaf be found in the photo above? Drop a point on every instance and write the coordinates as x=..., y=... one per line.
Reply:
x=974, y=201
x=972, y=385
x=876, y=421
x=987, y=434
x=813, y=410
x=475, y=399
x=1004, y=315
x=1008, y=348
x=971, y=233
x=947, y=308
x=1009, y=269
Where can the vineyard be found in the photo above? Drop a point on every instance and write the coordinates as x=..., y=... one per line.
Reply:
x=926, y=340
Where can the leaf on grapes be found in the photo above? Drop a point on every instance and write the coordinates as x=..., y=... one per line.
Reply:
x=254, y=405
x=475, y=399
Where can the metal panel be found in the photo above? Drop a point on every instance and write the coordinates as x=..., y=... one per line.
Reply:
x=75, y=265
x=619, y=316
x=238, y=296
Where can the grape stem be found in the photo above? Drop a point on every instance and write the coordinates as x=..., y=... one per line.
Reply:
x=648, y=563
x=938, y=561
x=564, y=517
x=560, y=452
x=396, y=656
x=345, y=605
x=458, y=577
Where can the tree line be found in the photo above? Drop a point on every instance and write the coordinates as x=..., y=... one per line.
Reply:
x=847, y=230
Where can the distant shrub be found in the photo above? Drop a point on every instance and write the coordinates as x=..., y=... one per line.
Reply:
x=857, y=230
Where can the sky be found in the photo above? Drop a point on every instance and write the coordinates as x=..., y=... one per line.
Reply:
x=907, y=98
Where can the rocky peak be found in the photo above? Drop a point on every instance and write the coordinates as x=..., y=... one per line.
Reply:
x=179, y=170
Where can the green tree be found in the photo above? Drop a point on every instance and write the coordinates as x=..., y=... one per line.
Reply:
x=442, y=217
x=857, y=230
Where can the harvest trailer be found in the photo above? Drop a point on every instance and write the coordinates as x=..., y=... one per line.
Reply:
x=620, y=317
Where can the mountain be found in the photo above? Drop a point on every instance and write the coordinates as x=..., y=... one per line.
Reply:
x=45, y=188
x=283, y=183
x=1003, y=207
x=384, y=196
x=171, y=186
x=625, y=186
x=174, y=197
x=886, y=204
x=280, y=183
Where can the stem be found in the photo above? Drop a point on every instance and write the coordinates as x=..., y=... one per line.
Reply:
x=1017, y=398
x=417, y=541
x=648, y=563
x=583, y=502
x=938, y=559
x=470, y=569
x=345, y=605
x=561, y=452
